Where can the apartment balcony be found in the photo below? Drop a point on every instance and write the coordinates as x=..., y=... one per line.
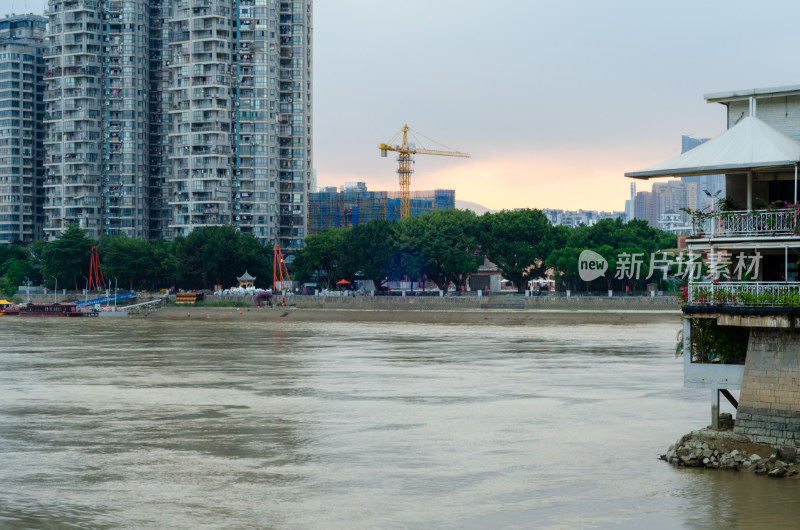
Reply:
x=743, y=297
x=754, y=228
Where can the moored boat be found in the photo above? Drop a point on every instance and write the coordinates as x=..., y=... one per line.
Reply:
x=8, y=308
x=66, y=309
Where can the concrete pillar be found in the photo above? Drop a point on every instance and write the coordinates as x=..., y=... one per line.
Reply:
x=715, y=408
x=749, y=190
x=404, y=292
x=568, y=293
x=480, y=293
x=610, y=293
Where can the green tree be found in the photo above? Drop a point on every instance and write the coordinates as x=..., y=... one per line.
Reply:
x=518, y=242
x=127, y=258
x=564, y=263
x=8, y=252
x=320, y=257
x=367, y=250
x=255, y=258
x=216, y=255
x=67, y=258
x=448, y=242
x=163, y=269
x=405, y=260
x=16, y=270
x=612, y=239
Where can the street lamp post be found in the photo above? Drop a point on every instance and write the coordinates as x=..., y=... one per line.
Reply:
x=86, y=291
x=55, y=290
x=115, y=292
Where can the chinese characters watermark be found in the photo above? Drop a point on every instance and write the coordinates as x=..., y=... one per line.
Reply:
x=682, y=265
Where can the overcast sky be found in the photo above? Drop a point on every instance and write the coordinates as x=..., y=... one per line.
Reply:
x=554, y=100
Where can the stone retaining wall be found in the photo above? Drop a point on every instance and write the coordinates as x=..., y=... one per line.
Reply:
x=501, y=302
x=769, y=404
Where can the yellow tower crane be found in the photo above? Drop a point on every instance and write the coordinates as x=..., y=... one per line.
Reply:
x=405, y=152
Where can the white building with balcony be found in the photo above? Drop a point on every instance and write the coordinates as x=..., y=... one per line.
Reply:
x=741, y=316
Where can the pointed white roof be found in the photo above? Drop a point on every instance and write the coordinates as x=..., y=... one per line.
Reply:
x=245, y=277
x=750, y=145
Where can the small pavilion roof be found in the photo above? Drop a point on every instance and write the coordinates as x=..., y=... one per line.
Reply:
x=245, y=277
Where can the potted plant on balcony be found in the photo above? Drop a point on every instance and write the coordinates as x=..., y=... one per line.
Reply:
x=717, y=210
x=699, y=219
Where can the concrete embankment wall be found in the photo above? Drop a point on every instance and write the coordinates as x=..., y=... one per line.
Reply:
x=769, y=403
x=436, y=303
x=471, y=303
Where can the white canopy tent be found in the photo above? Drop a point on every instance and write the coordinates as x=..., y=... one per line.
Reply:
x=749, y=147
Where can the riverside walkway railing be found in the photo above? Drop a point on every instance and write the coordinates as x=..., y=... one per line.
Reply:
x=744, y=294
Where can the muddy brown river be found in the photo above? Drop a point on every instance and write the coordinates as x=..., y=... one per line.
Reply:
x=138, y=423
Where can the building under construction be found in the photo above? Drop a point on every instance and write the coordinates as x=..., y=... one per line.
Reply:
x=354, y=205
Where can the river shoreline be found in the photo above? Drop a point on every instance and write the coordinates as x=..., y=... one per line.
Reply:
x=464, y=316
x=725, y=450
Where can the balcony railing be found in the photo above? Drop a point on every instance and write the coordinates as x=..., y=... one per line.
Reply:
x=743, y=223
x=744, y=294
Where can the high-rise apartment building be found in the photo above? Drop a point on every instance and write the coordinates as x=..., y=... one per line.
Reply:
x=160, y=127
x=74, y=116
x=713, y=184
x=669, y=197
x=21, y=112
x=168, y=115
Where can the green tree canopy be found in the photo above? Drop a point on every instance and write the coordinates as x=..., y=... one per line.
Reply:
x=320, y=257
x=216, y=255
x=67, y=258
x=126, y=258
x=448, y=242
x=518, y=242
x=15, y=271
x=367, y=250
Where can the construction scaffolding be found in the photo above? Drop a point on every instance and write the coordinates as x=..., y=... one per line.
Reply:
x=351, y=207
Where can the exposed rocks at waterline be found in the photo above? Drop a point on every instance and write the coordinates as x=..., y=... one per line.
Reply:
x=729, y=451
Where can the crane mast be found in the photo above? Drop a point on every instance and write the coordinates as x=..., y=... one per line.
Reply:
x=404, y=160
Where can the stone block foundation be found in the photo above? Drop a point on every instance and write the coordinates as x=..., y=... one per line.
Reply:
x=769, y=403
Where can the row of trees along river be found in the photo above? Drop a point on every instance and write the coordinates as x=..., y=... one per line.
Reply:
x=444, y=246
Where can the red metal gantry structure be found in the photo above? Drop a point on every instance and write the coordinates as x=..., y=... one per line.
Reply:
x=280, y=274
x=96, y=280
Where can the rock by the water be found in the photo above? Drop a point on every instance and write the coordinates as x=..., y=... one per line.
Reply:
x=778, y=472
x=712, y=450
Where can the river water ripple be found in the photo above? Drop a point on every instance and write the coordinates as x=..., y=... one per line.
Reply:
x=109, y=423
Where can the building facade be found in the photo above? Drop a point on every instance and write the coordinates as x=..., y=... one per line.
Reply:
x=740, y=306
x=354, y=205
x=21, y=136
x=669, y=197
x=710, y=188
x=573, y=219
x=166, y=116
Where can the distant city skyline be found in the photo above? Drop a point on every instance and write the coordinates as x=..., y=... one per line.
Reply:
x=553, y=109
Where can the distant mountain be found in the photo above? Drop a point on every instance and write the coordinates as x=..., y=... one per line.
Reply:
x=474, y=206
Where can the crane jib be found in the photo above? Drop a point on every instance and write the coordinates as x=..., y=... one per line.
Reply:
x=406, y=150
